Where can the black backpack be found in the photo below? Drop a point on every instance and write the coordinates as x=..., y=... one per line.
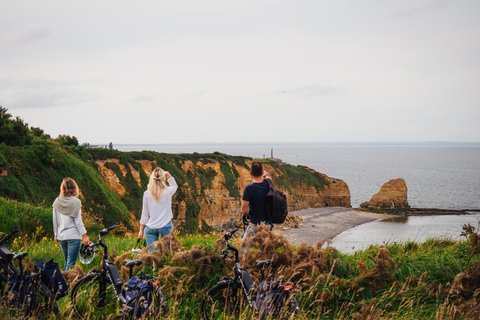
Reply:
x=52, y=277
x=277, y=208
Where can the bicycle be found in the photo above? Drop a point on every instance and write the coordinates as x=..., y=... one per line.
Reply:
x=23, y=294
x=232, y=296
x=102, y=294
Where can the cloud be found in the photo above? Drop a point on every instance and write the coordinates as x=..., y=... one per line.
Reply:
x=429, y=6
x=195, y=94
x=26, y=34
x=44, y=94
x=314, y=90
x=143, y=98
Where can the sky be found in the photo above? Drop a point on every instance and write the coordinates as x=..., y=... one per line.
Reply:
x=243, y=71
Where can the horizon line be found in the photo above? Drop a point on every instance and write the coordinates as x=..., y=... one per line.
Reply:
x=436, y=142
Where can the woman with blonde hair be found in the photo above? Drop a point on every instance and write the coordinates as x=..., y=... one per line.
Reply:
x=67, y=222
x=157, y=214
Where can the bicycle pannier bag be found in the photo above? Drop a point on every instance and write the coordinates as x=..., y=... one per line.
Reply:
x=138, y=294
x=269, y=301
x=20, y=292
x=53, y=278
x=277, y=208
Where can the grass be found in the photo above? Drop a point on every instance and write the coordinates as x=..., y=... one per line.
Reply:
x=398, y=281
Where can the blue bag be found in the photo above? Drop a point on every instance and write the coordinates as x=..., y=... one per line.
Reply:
x=138, y=294
x=269, y=300
x=20, y=292
x=53, y=278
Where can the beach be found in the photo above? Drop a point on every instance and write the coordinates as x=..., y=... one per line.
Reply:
x=323, y=224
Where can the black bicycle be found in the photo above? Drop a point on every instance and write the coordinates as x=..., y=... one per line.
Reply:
x=23, y=294
x=102, y=294
x=238, y=297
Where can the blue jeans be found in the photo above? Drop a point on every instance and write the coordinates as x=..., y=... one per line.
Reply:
x=151, y=235
x=250, y=227
x=70, y=249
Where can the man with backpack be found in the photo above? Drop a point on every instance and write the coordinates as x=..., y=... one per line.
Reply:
x=254, y=200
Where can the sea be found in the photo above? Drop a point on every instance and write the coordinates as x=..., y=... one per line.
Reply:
x=438, y=175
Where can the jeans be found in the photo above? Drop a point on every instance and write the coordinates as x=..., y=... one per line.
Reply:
x=250, y=227
x=70, y=249
x=151, y=235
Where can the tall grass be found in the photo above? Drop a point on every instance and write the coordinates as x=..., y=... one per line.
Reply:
x=398, y=281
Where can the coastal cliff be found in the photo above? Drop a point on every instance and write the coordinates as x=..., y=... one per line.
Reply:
x=211, y=186
x=112, y=183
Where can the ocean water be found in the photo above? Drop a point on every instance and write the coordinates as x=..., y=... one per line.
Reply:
x=443, y=176
x=403, y=229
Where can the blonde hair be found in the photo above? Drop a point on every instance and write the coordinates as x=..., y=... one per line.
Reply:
x=157, y=183
x=69, y=188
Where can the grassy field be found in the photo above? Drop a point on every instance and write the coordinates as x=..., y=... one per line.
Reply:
x=437, y=279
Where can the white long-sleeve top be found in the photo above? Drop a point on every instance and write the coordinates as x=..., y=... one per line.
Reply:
x=68, y=228
x=156, y=215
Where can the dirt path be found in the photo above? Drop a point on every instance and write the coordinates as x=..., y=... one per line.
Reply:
x=322, y=224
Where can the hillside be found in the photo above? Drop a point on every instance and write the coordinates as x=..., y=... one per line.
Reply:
x=112, y=182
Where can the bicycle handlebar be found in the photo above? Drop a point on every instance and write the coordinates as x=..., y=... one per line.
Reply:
x=228, y=236
x=105, y=231
x=8, y=236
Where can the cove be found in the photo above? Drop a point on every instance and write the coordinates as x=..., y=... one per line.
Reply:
x=404, y=229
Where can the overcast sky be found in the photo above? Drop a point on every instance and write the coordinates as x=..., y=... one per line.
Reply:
x=229, y=71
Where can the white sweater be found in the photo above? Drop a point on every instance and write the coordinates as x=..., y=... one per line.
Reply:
x=67, y=228
x=156, y=215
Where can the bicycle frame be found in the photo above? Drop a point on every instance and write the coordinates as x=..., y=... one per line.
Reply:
x=109, y=270
x=240, y=274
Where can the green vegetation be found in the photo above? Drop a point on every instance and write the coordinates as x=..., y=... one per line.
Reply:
x=398, y=281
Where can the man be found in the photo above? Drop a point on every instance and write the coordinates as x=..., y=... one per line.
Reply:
x=254, y=197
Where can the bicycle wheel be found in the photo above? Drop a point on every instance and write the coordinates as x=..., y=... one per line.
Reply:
x=224, y=301
x=42, y=306
x=93, y=297
x=45, y=303
x=3, y=282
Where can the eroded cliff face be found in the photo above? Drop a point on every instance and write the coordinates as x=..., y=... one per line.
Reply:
x=213, y=202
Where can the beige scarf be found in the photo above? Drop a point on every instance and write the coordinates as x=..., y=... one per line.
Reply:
x=68, y=206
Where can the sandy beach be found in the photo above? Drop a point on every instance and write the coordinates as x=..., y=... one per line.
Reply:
x=322, y=224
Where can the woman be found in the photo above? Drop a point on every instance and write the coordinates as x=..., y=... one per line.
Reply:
x=67, y=222
x=157, y=214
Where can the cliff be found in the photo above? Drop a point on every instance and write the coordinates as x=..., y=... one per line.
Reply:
x=112, y=183
x=211, y=186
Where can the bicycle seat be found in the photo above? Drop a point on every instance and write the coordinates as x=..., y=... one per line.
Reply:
x=20, y=255
x=262, y=263
x=132, y=263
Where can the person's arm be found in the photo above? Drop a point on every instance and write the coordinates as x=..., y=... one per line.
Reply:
x=85, y=239
x=81, y=228
x=172, y=184
x=144, y=218
x=55, y=225
x=244, y=208
x=141, y=232
x=266, y=175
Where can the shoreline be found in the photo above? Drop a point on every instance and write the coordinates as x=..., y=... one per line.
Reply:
x=324, y=224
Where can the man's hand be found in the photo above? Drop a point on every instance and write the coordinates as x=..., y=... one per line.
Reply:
x=266, y=175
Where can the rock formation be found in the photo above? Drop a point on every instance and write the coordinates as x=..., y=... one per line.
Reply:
x=392, y=195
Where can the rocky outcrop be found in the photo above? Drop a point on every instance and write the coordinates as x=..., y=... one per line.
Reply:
x=392, y=195
x=214, y=203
